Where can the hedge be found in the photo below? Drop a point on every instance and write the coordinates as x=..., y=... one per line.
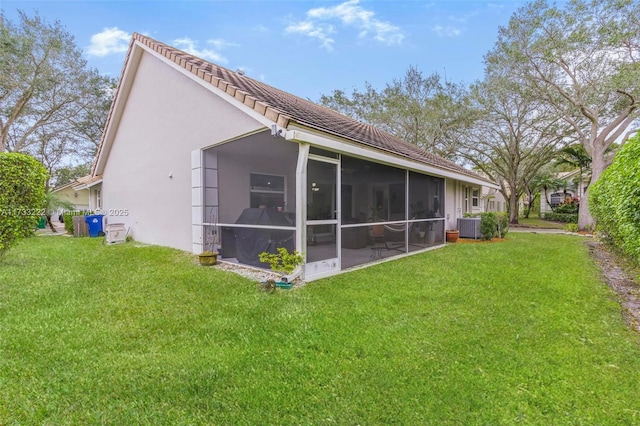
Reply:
x=615, y=199
x=22, y=197
x=561, y=217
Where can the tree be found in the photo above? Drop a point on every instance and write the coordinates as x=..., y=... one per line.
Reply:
x=584, y=62
x=422, y=110
x=512, y=137
x=64, y=175
x=51, y=104
x=575, y=157
x=22, y=197
x=52, y=203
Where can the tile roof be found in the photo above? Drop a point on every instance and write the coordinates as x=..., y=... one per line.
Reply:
x=284, y=108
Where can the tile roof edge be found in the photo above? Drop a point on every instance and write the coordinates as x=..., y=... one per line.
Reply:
x=281, y=118
x=169, y=52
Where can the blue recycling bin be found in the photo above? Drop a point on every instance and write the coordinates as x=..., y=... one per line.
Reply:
x=94, y=224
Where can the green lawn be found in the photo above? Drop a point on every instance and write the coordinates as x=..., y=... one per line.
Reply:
x=535, y=222
x=514, y=332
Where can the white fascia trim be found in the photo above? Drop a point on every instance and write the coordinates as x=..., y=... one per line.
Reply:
x=347, y=148
x=87, y=185
x=211, y=88
x=128, y=76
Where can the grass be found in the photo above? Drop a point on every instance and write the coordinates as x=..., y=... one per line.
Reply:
x=535, y=222
x=515, y=332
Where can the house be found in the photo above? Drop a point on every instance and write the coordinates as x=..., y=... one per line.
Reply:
x=74, y=194
x=194, y=156
x=576, y=186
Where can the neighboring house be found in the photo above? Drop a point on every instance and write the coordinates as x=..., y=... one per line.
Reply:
x=493, y=200
x=70, y=193
x=91, y=184
x=576, y=187
x=195, y=155
x=80, y=194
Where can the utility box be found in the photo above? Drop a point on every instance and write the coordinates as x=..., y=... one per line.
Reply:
x=116, y=233
x=469, y=227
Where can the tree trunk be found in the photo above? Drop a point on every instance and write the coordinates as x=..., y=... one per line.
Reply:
x=513, y=208
x=585, y=219
x=51, y=226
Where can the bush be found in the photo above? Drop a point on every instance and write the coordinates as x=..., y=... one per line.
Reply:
x=615, y=199
x=561, y=217
x=571, y=227
x=22, y=197
x=488, y=225
x=567, y=208
x=67, y=218
x=503, y=224
x=283, y=261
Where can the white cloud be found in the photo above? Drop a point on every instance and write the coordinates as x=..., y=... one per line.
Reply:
x=220, y=43
x=446, y=31
x=350, y=14
x=313, y=30
x=190, y=46
x=110, y=40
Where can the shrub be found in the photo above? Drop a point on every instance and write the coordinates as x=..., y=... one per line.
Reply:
x=67, y=217
x=567, y=208
x=571, y=227
x=283, y=261
x=561, y=217
x=503, y=224
x=615, y=199
x=22, y=197
x=488, y=225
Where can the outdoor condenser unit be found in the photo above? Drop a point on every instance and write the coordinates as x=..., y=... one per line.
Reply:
x=116, y=233
x=469, y=227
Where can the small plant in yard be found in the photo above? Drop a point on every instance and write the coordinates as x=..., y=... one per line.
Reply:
x=488, y=225
x=282, y=261
x=571, y=227
x=270, y=286
x=503, y=224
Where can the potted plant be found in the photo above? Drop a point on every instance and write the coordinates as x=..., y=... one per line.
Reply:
x=283, y=262
x=209, y=256
x=452, y=235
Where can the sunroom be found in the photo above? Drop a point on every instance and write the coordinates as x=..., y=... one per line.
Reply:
x=341, y=208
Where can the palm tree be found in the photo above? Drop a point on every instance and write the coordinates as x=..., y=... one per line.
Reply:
x=576, y=157
x=52, y=203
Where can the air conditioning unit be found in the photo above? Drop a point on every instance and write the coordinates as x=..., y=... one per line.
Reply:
x=116, y=233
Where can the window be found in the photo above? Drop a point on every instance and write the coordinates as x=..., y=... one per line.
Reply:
x=475, y=199
x=266, y=190
x=98, y=200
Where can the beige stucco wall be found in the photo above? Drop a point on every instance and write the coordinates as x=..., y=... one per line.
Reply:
x=455, y=205
x=147, y=180
x=80, y=199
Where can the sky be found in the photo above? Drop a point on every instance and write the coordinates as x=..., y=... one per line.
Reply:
x=307, y=48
